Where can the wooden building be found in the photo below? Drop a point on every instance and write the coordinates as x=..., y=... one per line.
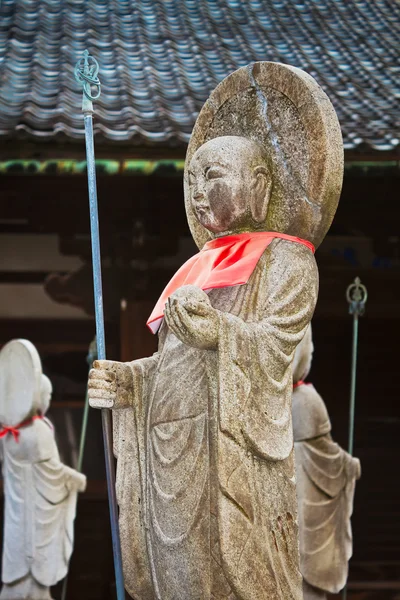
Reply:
x=158, y=63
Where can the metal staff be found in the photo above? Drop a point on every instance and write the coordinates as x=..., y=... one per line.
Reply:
x=91, y=357
x=86, y=71
x=356, y=295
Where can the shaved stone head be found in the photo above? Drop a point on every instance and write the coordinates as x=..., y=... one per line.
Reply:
x=230, y=185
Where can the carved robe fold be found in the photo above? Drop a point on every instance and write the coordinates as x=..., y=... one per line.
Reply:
x=210, y=507
x=326, y=477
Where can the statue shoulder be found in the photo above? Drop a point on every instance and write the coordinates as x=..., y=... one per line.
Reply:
x=37, y=442
x=291, y=258
x=288, y=275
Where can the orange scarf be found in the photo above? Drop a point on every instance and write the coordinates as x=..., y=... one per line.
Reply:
x=222, y=262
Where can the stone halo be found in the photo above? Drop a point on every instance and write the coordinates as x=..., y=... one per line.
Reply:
x=284, y=109
x=20, y=382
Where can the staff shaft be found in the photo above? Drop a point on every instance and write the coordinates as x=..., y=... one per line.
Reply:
x=352, y=400
x=95, y=237
x=356, y=295
x=353, y=383
x=101, y=353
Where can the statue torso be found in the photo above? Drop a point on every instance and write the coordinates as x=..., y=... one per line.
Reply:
x=178, y=491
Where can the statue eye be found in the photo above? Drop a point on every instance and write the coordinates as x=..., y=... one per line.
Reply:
x=213, y=173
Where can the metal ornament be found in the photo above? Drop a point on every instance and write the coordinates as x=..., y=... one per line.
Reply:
x=356, y=295
x=86, y=71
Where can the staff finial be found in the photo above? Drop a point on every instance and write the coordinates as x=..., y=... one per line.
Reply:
x=356, y=295
x=86, y=70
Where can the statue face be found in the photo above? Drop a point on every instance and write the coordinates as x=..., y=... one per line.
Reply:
x=229, y=185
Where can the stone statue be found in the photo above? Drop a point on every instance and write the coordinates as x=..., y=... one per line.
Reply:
x=326, y=477
x=40, y=492
x=205, y=473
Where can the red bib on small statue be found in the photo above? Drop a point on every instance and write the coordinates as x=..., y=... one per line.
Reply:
x=222, y=262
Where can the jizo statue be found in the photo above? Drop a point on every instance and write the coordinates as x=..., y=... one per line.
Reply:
x=326, y=477
x=205, y=476
x=40, y=492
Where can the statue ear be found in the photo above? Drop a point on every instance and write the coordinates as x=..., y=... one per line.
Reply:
x=261, y=193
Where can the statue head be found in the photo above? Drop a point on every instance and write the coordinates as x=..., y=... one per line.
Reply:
x=230, y=183
x=284, y=110
x=20, y=382
x=46, y=390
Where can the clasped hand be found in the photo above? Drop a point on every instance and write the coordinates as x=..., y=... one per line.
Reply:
x=192, y=319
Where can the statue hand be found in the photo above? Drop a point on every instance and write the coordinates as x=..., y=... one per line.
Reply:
x=110, y=384
x=194, y=322
x=75, y=481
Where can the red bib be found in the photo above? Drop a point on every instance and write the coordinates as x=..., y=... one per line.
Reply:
x=222, y=262
x=299, y=383
x=14, y=431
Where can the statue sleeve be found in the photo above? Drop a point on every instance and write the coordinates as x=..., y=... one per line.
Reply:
x=326, y=477
x=142, y=369
x=255, y=358
x=134, y=376
x=54, y=514
x=142, y=372
x=130, y=449
x=75, y=481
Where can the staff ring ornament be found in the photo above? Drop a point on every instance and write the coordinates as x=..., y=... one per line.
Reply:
x=357, y=295
x=86, y=70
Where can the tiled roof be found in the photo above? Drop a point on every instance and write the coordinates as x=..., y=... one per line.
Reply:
x=160, y=59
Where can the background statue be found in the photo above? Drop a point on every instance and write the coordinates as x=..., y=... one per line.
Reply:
x=326, y=477
x=40, y=493
x=205, y=477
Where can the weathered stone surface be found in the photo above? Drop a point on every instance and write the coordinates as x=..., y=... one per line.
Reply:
x=205, y=477
x=40, y=492
x=326, y=477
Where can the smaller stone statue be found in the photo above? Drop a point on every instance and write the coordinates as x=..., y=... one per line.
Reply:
x=326, y=477
x=40, y=492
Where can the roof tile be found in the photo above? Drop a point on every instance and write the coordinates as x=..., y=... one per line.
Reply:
x=160, y=60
